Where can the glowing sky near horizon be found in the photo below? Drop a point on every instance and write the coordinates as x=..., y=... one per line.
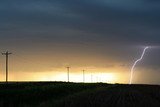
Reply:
x=102, y=37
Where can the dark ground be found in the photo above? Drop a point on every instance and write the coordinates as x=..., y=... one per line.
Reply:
x=60, y=94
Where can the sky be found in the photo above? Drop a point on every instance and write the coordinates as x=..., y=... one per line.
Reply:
x=104, y=37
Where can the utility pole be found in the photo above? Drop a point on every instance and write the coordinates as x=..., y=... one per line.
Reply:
x=91, y=78
x=7, y=55
x=68, y=68
x=83, y=75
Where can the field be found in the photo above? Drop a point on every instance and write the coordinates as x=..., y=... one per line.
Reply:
x=60, y=94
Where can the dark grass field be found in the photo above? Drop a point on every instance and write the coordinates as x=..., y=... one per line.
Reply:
x=60, y=94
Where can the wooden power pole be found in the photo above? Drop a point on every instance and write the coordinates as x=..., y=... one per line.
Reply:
x=7, y=55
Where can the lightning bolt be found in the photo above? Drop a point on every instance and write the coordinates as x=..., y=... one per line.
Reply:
x=138, y=60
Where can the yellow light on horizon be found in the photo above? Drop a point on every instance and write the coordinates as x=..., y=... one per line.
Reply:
x=94, y=77
x=108, y=77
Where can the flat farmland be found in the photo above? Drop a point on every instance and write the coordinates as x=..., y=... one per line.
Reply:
x=61, y=94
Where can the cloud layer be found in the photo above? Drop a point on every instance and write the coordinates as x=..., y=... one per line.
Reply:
x=111, y=30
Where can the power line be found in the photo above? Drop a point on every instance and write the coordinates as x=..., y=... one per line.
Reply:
x=83, y=75
x=7, y=55
x=68, y=69
x=91, y=78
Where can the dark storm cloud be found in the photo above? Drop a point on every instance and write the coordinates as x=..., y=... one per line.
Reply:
x=93, y=17
x=107, y=25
